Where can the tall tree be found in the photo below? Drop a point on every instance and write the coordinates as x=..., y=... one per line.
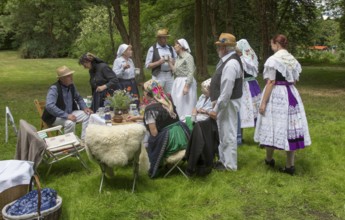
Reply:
x=200, y=43
x=342, y=21
x=134, y=34
x=266, y=12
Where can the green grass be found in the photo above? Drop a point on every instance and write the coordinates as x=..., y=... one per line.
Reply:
x=253, y=192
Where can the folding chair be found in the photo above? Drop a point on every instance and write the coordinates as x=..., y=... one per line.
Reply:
x=54, y=148
x=9, y=118
x=40, y=105
x=175, y=160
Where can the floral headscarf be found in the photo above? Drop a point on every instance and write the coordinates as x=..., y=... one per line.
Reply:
x=247, y=51
x=153, y=88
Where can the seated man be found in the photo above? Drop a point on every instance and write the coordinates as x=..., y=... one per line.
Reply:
x=64, y=105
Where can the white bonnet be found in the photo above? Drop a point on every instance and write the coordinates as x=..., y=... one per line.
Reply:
x=184, y=44
x=206, y=84
x=122, y=48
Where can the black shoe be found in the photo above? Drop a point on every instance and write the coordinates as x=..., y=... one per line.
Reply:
x=270, y=163
x=290, y=170
x=219, y=166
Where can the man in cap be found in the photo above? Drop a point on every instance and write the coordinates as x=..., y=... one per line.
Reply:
x=64, y=105
x=225, y=93
x=157, y=59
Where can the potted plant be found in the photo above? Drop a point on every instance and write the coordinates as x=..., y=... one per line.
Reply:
x=119, y=101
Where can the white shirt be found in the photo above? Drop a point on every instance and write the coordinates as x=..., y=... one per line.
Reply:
x=161, y=51
x=121, y=72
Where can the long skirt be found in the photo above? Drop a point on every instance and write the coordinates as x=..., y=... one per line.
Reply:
x=250, y=103
x=170, y=140
x=184, y=103
x=284, y=124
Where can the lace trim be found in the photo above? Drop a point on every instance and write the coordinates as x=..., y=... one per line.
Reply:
x=249, y=66
x=286, y=64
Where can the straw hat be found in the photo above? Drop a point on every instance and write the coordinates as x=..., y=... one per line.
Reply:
x=162, y=33
x=226, y=39
x=63, y=71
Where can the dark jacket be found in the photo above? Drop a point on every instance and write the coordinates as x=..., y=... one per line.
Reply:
x=48, y=118
x=101, y=74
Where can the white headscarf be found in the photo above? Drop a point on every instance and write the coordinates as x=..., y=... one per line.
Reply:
x=247, y=51
x=122, y=48
x=249, y=58
x=206, y=84
x=184, y=44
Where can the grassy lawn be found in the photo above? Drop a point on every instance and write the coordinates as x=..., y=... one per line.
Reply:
x=253, y=192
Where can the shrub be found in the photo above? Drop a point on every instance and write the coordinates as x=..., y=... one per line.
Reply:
x=94, y=36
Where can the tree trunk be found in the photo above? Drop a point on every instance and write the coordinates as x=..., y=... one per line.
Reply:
x=112, y=44
x=200, y=43
x=267, y=13
x=134, y=33
x=205, y=32
x=211, y=12
x=119, y=20
x=229, y=28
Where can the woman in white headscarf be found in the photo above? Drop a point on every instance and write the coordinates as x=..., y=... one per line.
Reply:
x=184, y=93
x=124, y=69
x=251, y=97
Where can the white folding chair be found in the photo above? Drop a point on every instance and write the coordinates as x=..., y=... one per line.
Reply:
x=35, y=145
x=9, y=118
x=61, y=147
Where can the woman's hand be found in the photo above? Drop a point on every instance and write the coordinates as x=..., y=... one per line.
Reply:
x=101, y=88
x=185, y=90
x=126, y=66
x=134, y=118
x=202, y=111
x=262, y=108
x=213, y=115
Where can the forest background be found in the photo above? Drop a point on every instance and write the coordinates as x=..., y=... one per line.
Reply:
x=63, y=28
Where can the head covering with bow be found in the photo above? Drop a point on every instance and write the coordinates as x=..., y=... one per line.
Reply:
x=154, y=89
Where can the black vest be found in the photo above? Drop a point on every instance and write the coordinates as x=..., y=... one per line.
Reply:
x=216, y=81
x=156, y=57
x=48, y=118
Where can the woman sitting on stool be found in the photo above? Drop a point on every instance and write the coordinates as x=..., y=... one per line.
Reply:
x=168, y=134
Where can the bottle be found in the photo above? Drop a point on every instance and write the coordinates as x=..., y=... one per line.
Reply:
x=133, y=110
x=107, y=118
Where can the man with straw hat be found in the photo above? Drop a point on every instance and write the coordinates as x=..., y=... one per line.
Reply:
x=226, y=93
x=158, y=58
x=64, y=105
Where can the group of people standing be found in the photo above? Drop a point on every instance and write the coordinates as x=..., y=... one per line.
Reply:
x=230, y=100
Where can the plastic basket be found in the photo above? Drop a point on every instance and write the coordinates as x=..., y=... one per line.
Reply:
x=49, y=214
